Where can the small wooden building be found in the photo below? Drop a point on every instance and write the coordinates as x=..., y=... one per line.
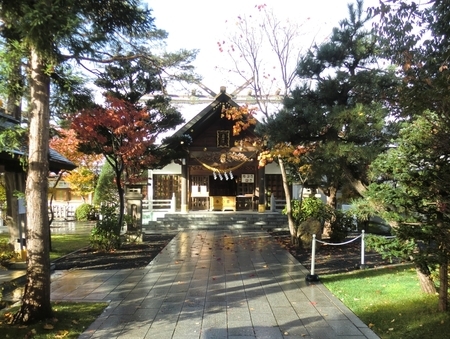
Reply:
x=221, y=171
x=14, y=178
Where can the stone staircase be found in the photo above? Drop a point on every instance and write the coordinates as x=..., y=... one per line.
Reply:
x=218, y=220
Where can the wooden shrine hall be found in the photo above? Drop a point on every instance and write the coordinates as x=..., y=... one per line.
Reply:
x=221, y=172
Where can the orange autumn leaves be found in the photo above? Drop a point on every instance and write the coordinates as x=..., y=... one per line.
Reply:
x=82, y=179
x=243, y=117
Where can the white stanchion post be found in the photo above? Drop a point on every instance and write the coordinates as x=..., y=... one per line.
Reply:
x=312, y=276
x=313, y=255
x=363, y=249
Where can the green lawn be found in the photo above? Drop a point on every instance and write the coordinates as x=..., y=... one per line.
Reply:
x=63, y=244
x=390, y=301
x=69, y=322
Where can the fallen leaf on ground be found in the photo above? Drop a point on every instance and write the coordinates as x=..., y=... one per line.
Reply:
x=61, y=334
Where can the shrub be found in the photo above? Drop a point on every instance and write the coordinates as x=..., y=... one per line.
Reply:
x=7, y=252
x=340, y=225
x=85, y=212
x=313, y=208
x=390, y=248
x=310, y=208
x=105, y=235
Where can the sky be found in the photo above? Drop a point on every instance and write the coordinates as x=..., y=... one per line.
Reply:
x=200, y=24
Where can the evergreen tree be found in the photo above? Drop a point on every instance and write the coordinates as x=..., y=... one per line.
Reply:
x=106, y=191
x=340, y=111
x=411, y=189
x=415, y=37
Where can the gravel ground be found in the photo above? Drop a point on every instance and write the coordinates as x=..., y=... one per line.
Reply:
x=130, y=255
x=329, y=259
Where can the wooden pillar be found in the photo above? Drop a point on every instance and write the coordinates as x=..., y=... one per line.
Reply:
x=262, y=190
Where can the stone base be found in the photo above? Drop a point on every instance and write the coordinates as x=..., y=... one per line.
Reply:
x=136, y=237
x=312, y=278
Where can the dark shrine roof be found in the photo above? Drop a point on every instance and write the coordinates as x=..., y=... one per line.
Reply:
x=210, y=112
x=57, y=162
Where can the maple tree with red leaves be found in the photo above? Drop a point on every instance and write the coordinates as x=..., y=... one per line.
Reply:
x=123, y=134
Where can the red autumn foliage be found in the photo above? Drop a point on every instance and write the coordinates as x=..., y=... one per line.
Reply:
x=119, y=131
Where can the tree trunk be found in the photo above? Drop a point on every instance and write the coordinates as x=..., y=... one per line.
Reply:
x=426, y=283
x=443, y=287
x=332, y=202
x=287, y=193
x=332, y=197
x=354, y=182
x=36, y=299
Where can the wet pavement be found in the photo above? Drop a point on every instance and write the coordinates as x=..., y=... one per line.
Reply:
x=212, y=284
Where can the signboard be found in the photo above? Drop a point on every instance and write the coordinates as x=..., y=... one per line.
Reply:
x=248, y=178
x=223, y=138
x=61, y=183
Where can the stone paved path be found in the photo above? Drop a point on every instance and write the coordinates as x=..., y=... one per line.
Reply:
x=212, y=284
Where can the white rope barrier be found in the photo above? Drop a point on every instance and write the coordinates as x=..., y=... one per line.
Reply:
x=340, y=243
x=315, y=277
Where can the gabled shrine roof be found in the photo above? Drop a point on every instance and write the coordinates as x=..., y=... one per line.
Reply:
x=210, y=112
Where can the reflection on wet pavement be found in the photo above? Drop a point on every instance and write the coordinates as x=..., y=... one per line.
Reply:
x=212, y=284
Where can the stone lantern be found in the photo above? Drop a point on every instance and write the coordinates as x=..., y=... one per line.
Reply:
x=133, y=199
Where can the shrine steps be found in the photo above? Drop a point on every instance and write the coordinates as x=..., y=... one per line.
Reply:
x=218, y=220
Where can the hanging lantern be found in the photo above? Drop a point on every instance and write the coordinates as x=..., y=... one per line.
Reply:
x=220, y=176
x=214, y=175
x=226, y=175
x=231, y=175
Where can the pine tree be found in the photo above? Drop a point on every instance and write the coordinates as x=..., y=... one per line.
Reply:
x=340, y=111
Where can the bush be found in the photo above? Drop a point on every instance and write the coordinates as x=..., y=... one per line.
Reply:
x=313, y=208
x=105, y=236
x=340, y=225
x=310, y=208
x=390, y=248
x=7, y=252
x=85, y=212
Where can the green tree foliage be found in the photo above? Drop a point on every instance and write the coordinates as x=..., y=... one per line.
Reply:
x=135, y=114
x=106, y=190
x=415, y=37
x=411, y=185
x=340, y=111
